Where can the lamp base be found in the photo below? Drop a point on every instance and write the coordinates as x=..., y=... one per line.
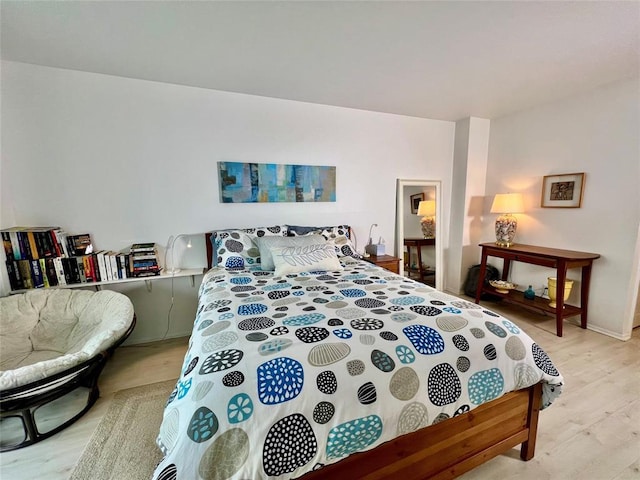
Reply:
x=504, y=244
x=172, y=272
x=506, y=226
x=428, y=225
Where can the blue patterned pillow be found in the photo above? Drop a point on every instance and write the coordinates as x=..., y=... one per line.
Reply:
x=236, y=249
x=296, y=230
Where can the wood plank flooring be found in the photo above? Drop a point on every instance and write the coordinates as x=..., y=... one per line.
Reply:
x=592, y=432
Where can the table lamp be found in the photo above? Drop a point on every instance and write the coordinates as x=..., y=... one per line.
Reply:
x=171, y=244
x=506, y=224
x=427, y=210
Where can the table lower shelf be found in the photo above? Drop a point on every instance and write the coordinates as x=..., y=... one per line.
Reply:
x=538, y=303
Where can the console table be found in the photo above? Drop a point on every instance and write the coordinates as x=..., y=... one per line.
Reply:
x=418, y=243
x=560, y=260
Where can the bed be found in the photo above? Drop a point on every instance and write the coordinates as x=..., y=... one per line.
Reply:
x=306, y=361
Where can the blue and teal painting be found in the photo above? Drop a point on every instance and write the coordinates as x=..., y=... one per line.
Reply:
x=271, y=182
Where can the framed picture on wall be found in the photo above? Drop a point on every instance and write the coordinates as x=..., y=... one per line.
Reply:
x=562, y=191
x=415, y=202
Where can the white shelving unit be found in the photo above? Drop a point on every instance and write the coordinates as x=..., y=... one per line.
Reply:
x=185, y=272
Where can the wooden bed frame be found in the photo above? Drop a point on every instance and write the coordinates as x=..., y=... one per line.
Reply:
x=449, y=448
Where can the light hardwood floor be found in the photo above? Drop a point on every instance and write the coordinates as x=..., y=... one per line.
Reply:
x=592, y=432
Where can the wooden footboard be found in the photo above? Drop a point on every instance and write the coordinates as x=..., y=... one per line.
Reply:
x=450, y=448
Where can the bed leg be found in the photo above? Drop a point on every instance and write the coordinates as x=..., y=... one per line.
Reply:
x=528, y=448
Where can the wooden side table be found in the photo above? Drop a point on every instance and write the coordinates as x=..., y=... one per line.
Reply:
x=418, y=243
x=560, y=260
x=385, y=261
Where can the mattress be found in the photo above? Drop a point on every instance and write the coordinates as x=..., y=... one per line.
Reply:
x=286, y=374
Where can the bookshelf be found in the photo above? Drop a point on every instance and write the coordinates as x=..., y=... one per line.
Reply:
x=48, y=257
x=185, y=272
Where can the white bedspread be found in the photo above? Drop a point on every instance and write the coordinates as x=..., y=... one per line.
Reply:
x=286, y=374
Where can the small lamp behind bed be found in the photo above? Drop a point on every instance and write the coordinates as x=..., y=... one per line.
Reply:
x=171, y=245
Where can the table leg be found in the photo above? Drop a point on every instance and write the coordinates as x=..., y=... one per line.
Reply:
x=506, y=266
x=483, y=271
x=561, y=274
x=420, y=272
x=584, y=294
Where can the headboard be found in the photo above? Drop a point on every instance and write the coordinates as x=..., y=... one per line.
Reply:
x=207, y=241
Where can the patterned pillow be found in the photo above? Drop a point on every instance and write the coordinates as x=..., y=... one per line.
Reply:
x=338, y=235
x=343, y=246
x=236, y=249
x=296, y=231
x=265, y=244
x=308, y=258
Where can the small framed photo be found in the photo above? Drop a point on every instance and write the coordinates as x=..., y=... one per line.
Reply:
x=415, y=202
x=562, y=191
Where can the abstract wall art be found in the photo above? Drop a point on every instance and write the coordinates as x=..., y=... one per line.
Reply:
x=269, y=182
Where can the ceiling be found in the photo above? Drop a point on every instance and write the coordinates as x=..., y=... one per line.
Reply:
x=441, y=60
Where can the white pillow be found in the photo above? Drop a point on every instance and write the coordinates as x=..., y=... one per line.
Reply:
x=265, y=244
x=308, y=258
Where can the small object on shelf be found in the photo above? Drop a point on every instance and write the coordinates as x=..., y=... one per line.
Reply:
x=529, y=293
x=502, y=286
x=375, y=249
x=552, y=282
x=79, y=245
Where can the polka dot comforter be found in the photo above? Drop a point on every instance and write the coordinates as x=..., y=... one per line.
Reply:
x=286, y=374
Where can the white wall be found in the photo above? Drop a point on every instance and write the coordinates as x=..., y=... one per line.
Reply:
x=596, y=133
x=130, y=160
x=470, y=158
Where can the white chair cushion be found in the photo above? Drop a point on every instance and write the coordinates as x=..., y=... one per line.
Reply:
x=43, y=332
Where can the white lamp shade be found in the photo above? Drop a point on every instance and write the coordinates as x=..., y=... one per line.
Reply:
x=507, y=203
x=427, y=208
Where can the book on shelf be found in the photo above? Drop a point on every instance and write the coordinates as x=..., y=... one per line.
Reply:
x=66, y=267
x=113, y=258
x=24, y=266
x=105, y=273
x=147, y=273
x=143, y=247
x=48, y=265
x=123, y=265
x=30, y=243
x=62, y=279
x=79, y=244
x=15, y=278
x=36, y=274
x=88, y=268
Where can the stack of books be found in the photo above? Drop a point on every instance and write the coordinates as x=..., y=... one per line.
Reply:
x=41, y=257
x=144, y=260
x=30, y=253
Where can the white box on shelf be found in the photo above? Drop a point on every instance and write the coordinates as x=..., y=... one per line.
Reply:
x=375, y=249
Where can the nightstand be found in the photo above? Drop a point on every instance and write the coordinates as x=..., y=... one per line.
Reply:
x=385, y=261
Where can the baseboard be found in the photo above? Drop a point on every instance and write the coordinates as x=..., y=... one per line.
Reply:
x=140, y=341
x=609, y=333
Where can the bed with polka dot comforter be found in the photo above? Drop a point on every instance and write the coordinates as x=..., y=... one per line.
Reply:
x=286, y=374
